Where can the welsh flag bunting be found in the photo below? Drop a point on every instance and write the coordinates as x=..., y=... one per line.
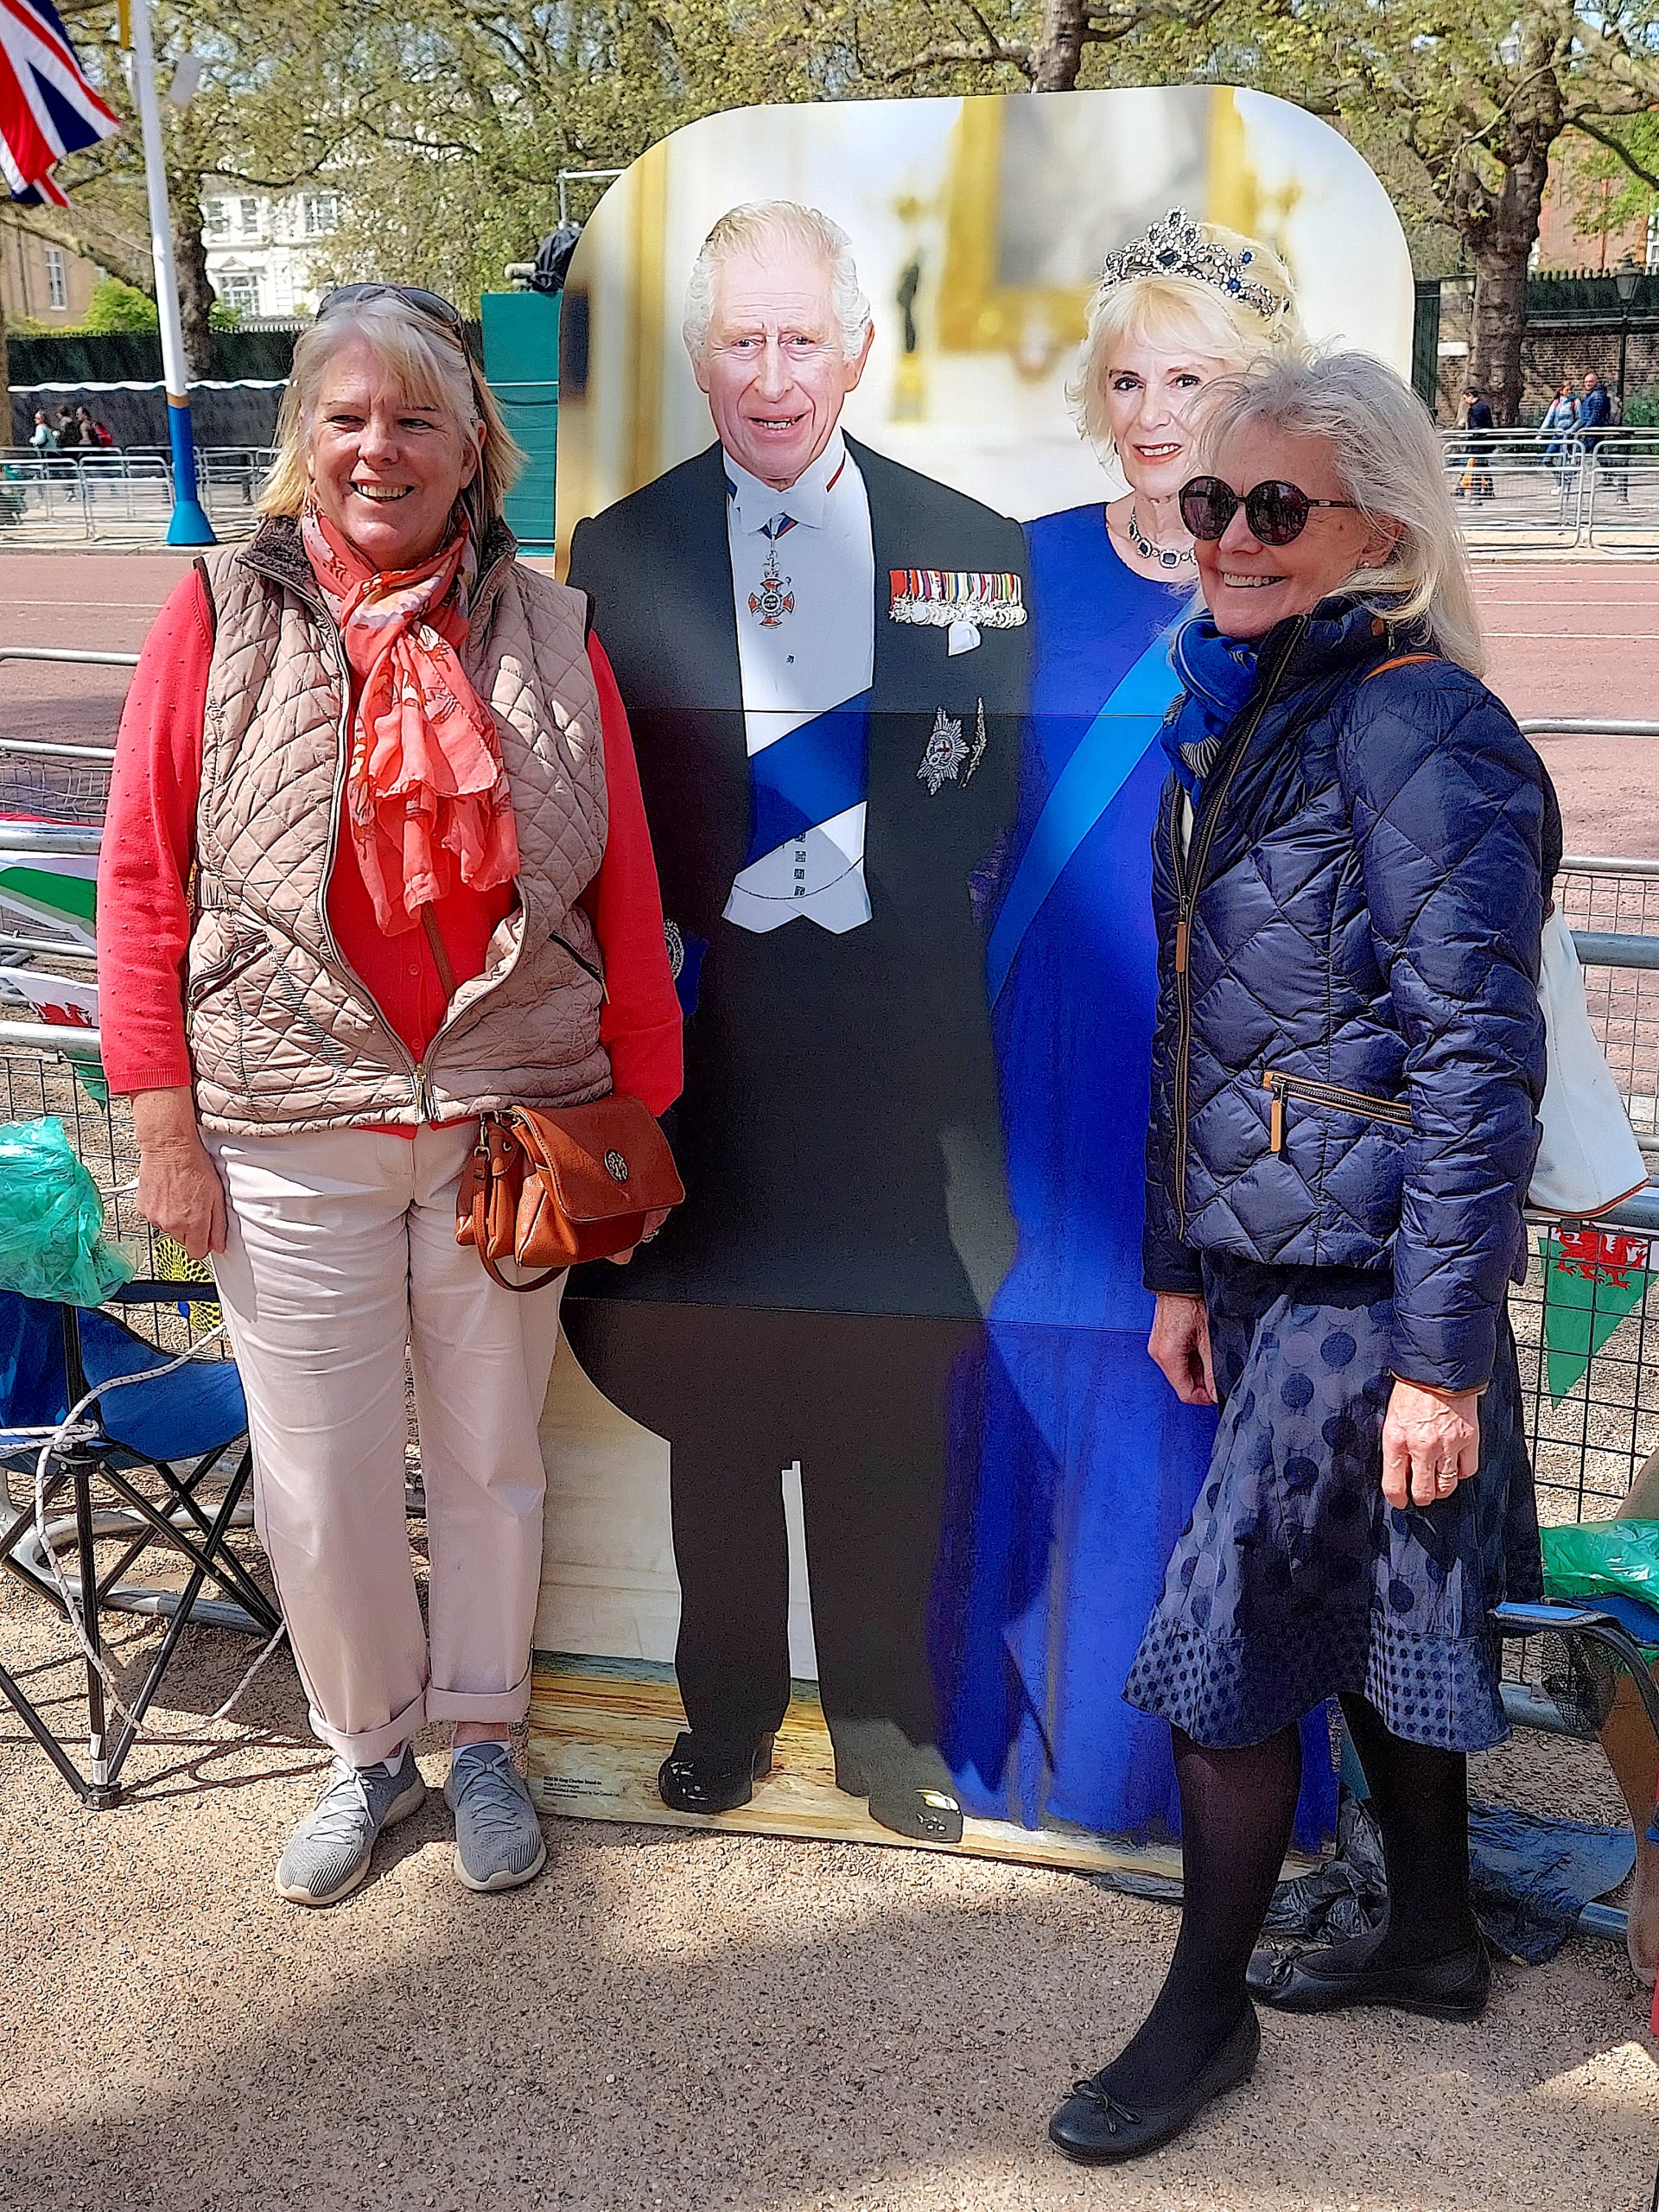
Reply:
x=1592, y=1279
x=57, y=888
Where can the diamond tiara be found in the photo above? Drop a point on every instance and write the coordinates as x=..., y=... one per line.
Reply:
x=1178, y=247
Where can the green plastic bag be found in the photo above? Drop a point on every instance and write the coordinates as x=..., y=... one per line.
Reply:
x=52, y=1240
x=1604, y=1559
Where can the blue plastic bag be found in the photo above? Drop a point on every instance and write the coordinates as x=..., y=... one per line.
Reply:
x=52, y=1240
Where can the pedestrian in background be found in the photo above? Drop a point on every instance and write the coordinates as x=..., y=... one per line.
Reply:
x=1560, y=424
x=1477, y=480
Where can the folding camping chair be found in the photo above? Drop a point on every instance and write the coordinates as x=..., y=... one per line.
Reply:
x=1620, y=1628
x=158, y=1448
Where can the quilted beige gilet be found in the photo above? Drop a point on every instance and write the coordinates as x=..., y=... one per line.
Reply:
x=284, y=1035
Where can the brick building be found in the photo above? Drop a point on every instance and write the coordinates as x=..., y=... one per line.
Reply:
x=50, y=284
x=1575, y=229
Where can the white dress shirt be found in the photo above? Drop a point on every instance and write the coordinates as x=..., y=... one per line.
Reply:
x=818, y=655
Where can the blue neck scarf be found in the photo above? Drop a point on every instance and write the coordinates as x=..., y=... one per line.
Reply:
x=1217, y=675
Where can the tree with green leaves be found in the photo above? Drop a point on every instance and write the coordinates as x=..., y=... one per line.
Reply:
x=265, y=118
x=1479, y=94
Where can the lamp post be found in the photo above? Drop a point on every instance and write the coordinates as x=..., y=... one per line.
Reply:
x=190, y=525
x=1626, y=277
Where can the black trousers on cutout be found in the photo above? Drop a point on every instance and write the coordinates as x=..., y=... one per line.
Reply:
x=863, y=1402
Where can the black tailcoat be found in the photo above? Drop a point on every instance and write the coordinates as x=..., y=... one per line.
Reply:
x=839, y=1134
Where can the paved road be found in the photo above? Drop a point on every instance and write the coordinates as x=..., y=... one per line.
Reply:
x=1577, y=638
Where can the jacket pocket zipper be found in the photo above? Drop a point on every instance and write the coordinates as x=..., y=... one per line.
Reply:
x=1332, y=1095
x=223, y=973
x=587, y=966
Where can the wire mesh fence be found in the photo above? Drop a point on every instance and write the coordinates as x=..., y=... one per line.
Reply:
x=1589, y=1347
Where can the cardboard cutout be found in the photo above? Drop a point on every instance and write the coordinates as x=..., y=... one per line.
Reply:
x=876, y=1408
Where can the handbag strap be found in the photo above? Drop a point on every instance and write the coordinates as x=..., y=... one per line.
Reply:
x=482, y=1188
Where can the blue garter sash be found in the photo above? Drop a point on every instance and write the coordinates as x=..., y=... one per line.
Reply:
x=815, y=774
x=1106, y=756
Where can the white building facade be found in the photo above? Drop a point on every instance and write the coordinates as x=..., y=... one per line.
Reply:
x=261, y=246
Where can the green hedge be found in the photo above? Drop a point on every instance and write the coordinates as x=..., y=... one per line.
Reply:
x=135, y=357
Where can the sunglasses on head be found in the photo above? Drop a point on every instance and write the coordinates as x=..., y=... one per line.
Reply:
x=430, y=304
x=1276, y=513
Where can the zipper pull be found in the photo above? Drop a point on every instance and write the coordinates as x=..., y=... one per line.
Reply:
x=1276, y=1084
x=422, y=1103
x=1182, y=929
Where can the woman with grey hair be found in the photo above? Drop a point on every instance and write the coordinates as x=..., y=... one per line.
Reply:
x=376, y=862
x=1350, y=870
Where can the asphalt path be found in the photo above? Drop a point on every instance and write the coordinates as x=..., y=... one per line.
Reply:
x=1571, y=638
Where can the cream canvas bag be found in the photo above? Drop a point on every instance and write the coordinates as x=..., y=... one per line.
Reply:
x=1589, y=1158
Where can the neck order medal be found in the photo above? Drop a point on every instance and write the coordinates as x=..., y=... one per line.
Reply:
x=774, y=598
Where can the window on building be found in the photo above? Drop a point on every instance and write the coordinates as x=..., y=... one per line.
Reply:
x=321, y=213
x=1652, y=254
x=250, y=217
x=239, y=288
x=219, y=218
x=57, y=278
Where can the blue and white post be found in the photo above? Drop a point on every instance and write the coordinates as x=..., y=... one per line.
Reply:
x=190, y=525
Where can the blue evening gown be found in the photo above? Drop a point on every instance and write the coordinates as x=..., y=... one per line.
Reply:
x=1055, y=1544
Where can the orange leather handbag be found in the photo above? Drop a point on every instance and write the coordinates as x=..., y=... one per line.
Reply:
x=550, y=1186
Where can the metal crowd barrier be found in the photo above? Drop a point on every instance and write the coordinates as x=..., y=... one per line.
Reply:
x=1547, y=490
x=101, y=492
x=1590, y=1437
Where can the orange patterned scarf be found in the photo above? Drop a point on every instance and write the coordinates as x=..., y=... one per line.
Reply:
x=426, y=792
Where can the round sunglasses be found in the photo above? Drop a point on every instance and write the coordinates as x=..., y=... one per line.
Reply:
x=1276, y=513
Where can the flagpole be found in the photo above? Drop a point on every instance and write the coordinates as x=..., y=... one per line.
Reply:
x=190, y=525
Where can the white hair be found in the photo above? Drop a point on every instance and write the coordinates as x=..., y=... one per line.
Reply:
x=1389, y=462
x=756, y=224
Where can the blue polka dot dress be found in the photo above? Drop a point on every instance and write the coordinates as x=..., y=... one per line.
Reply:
x=1294, y=1580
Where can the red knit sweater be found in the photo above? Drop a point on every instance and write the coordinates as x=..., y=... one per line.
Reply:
x=148, y=849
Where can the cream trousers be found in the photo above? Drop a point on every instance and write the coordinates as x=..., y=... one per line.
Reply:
x=342, y=1251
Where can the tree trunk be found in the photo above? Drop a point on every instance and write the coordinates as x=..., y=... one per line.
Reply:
x=1499, y=326
x=1499, y=226
x=196, y=294
x=1059, y=47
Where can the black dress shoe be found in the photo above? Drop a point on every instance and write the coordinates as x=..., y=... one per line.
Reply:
x=698, y=1778
x=1453, y=1989
x=1094, y=2129
x=908, y=1784
x=929, y=1814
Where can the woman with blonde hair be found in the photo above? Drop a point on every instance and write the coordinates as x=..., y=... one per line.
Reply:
x=376, y=862
x=1083, y=1458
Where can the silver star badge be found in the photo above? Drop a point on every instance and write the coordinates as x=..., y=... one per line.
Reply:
x=946, y=751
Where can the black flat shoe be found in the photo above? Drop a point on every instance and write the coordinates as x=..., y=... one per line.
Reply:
x=1092, y=2127
x=1454, y=1988
x=694, y=1778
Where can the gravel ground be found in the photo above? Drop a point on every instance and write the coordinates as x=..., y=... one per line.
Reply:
x=670, y=2020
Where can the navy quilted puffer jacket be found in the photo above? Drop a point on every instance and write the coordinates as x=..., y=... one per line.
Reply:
x=1349, y=1054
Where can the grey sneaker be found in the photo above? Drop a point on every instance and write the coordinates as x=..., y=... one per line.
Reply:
x=498, y=1841
x=327, y=1854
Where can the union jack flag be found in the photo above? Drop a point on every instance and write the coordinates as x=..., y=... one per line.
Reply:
x=47, y=107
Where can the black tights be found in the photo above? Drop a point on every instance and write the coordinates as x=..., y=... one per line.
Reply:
x=1237, y=1808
